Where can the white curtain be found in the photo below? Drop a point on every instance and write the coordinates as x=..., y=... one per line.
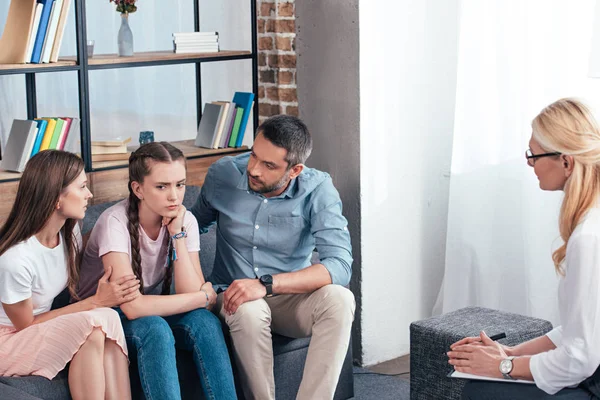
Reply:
x=515, y=57
x=124, y=102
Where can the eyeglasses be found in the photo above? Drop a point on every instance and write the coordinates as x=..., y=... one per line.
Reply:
x=532, y=157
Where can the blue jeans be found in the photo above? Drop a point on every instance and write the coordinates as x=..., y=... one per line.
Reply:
x=152, y=340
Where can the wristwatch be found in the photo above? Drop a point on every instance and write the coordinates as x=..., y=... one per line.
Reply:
x=506, y=367
x=267, y=281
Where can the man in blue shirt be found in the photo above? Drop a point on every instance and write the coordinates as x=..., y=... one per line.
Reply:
x=271, y=213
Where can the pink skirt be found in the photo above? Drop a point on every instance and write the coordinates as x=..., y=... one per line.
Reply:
x=45, y=349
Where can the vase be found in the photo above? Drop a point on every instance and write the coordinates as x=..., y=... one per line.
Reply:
x=125, y=38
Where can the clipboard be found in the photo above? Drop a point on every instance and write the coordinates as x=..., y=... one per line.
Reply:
x=462, y=375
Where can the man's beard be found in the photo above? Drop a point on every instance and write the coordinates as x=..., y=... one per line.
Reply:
x=271, y=188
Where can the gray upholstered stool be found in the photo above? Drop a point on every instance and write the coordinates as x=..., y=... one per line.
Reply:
x=431, y=338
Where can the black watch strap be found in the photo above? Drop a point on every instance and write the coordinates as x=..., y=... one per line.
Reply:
x=269, y=290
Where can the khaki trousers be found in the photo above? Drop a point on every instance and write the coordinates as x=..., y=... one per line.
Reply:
x=325, y=314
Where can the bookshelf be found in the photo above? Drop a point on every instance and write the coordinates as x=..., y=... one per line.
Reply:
x=82, y=65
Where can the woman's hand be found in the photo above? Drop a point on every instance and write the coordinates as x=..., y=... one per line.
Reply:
x=111, y=294
x=478, y=357
x=212, y=295
x=174, y=224
x=476, y=341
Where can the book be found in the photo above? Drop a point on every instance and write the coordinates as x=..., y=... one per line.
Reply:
x=63, y=135
x=73, y=136
x=42, y=123
x=236, y=127
x=60, y=30
x=51, y=33
x=192, y=51
x=34, y=29
x=118, y=141
x=208, y=124
x=223, y=119
x=48, y=134
x=108, y=149
x=227, y=135
x=15, y=37
x=19, y=145
x=57, y=132
x=244, y=100
x=114, y=157
x=198, y=40
x=463, y=375
x=38, y=45
x=194, y=34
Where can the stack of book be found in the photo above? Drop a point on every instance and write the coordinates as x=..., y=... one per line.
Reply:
x=196, y=42
x=34, y=31
x=113, y=149
x=28, y=138
x=223, y=123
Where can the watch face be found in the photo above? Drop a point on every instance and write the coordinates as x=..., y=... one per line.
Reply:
x=266, y=280
x=506, y=366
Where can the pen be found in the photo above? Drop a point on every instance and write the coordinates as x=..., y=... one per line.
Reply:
x=498, y=336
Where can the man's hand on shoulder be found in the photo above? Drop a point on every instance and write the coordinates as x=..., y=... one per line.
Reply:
x=241, y=291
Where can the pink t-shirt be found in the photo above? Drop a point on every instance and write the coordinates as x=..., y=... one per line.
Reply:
x=110, y=233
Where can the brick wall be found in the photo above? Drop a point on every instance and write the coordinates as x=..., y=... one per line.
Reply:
x=276, y=58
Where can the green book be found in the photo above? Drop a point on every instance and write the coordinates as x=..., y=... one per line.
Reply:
x=56, y=134
x=236, y=126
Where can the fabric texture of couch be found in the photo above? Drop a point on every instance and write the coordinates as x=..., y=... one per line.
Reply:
x=290, y=354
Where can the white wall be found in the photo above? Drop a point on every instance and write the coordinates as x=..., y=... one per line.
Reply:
x=408, y=58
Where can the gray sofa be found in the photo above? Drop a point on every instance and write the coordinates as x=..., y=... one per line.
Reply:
x=290, y=354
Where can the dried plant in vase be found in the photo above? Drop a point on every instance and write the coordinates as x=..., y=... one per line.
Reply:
x=125, y=37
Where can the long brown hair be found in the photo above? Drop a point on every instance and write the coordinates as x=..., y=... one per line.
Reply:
x=139, y=168
x=567, y=126
x=46, y=176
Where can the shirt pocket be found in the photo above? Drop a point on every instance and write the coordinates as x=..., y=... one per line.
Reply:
x=285, y=234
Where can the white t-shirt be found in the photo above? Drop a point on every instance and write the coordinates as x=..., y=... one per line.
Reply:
x=31, y=270
x=111, y=234
x=577, y=340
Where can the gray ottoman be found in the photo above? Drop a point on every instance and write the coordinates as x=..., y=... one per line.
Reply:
x=431, y=338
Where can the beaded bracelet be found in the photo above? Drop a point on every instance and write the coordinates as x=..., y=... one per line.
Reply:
x=202, y=290
x=176, y=236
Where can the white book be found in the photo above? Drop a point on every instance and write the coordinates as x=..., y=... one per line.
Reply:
x=192, y=34
x=19, y=145
x=62, y=23
x=221, y=123
x=197, y=47
x=193, y=51
x=208, y=125
x=463, y=375
x=51, y=32
x=34, y=29
x=196, y=40
x=28, y=150
x=73, y=136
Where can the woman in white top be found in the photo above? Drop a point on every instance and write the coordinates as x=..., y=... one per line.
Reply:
x=564, y=152
x=39, y=246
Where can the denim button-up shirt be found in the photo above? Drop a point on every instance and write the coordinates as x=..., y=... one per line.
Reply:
x=258, y=235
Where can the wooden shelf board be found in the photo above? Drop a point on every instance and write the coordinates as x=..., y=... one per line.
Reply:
x=69, y=62
x=8, y=175
x=153, y=56
x=188, y=148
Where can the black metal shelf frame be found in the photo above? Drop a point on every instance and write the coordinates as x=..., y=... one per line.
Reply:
x=82, y=68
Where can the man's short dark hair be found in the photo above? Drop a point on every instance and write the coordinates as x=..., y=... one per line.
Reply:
x=289, y=133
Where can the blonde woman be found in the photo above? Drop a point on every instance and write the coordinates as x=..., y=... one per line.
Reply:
x=564, y=151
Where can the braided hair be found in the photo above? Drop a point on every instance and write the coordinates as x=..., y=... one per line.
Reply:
x=139, y=168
